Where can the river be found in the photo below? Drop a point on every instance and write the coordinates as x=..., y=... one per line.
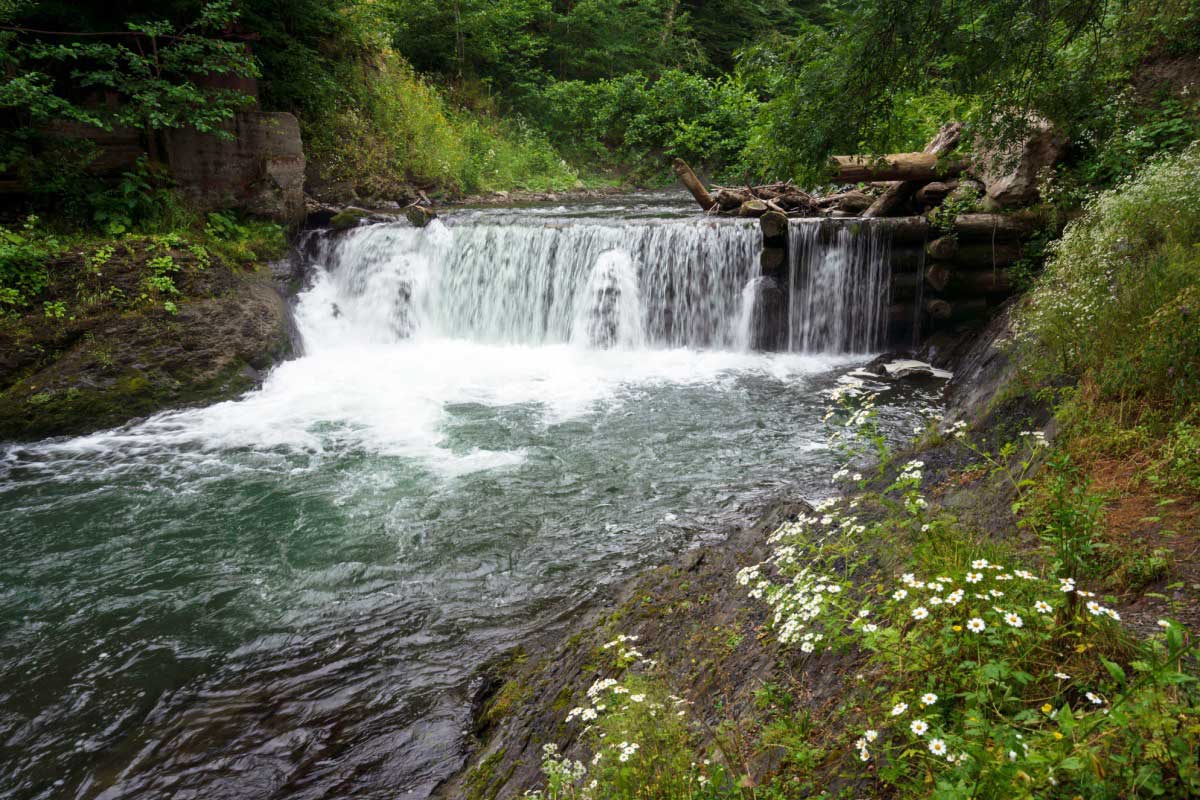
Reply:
x=493, y=420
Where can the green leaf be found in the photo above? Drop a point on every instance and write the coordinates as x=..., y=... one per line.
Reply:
x=1114, y=669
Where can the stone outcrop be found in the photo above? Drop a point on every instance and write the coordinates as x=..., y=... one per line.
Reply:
x=1010, y=174
x=113, y=361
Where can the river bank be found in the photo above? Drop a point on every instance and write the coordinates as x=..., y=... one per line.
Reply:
x=688, y=666
x=127, y=328
x=698, y=634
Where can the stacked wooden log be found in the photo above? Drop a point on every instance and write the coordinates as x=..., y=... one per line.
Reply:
x=946, y=273
x=954, y=276
x=894, y=180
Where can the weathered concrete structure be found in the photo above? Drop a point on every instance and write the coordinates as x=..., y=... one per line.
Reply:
x=259, y=170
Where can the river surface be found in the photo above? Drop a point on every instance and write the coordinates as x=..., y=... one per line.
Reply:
x=493, y=419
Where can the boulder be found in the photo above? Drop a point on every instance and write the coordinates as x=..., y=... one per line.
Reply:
x=910, y=369
x=1010, y=173
x=260, y=168
x=419, y=216
x=349, y=217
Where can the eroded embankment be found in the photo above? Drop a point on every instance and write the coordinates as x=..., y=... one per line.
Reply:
x=140, y=328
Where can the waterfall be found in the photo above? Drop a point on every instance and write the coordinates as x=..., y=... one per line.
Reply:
x=594, y=282
x=609, y=312
x=748, y=315
x=838, y=287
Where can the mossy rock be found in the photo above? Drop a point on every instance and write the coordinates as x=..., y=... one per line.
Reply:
x=116, y=364
x=349, y=217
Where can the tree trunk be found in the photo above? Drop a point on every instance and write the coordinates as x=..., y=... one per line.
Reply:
x=945, y=141
x=923, y=167
x=693, y=184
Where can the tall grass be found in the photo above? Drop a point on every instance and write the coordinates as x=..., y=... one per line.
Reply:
x=392, y=128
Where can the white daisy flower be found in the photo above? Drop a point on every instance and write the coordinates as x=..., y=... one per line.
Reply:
x=975, y=625
x=937, y=747
x=919, y=727
x=928, y=699
x=899, y=709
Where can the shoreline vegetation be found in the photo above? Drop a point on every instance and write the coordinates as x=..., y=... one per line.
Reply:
x=1004, y=609
x=993, y=611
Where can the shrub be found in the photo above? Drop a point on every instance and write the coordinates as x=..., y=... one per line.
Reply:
x=1115, y=297
x=393, y=128
x=24, y=253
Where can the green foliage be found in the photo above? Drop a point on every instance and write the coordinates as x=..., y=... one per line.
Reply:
x=1067, y=517
x=152, y=66
x=1118, y=300
x=641, y=123
x=394, y=127
x=24, y=254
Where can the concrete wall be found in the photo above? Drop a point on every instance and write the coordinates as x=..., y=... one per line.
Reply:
x=260, y=170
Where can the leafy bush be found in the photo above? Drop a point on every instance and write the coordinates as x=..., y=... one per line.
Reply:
x=641, y=123
x=24, y=252
x=1116, y=300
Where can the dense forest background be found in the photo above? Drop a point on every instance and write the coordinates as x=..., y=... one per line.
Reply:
x=476, y=95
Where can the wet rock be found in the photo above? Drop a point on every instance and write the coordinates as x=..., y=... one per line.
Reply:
x=349, y=217
x=419, y=216
x=910, y=369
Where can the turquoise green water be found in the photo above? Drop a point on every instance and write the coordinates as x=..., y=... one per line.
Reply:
x=285, y=596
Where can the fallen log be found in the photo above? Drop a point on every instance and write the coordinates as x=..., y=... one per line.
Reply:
x=932, y=194
x=943, y=248
x=985, y=255
x=903, y=230
x=899, y=192
x=774, y=226
x=923, y=167
x=772, y=259
x=853, y=200
x=693, y=184
x=953, y=284
x=753, y=208
x=938, y=308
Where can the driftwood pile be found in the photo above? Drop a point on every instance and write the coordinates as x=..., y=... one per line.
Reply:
x=895, y=181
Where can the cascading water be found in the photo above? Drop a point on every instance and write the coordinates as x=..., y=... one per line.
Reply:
x=839, y=287
x=677, y=285
x=285, y=595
